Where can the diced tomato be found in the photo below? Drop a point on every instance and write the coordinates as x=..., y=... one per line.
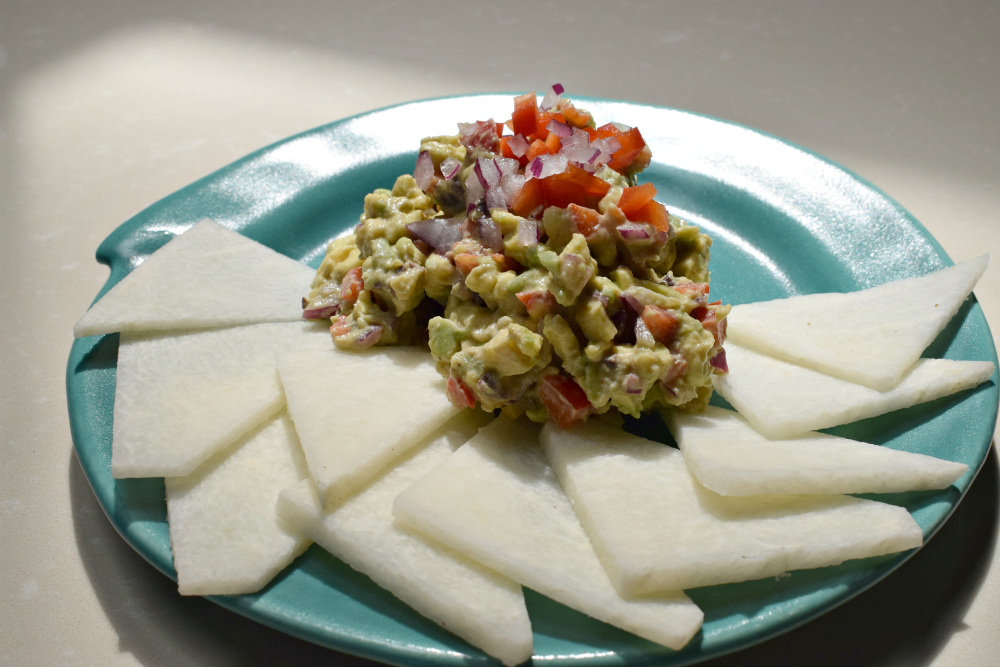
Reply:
x=661, y=323
x=538, y=302
x=632, y=142
x=537, y=147
x=586, y=219
x=506, y=151
x=553, y=143
x=543, y=123
x=459, y=393
x=608, y=130
x=653, y=213
x=465, y=262
x=634, y=198
x=531, y=196
x=574, y=186
x=525, y=117
x=341, y=326
x=577, y=118
x=351, y=285
x=565, y=400
x=505, y=263
x=694, y=289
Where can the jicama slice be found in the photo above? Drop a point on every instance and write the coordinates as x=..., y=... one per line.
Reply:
x=225, y=537
x=209, y=276
x=655, y=528
x=479, y=605
x=182, y=397
x=726, y=455
x=871, y=337
x=355, y=411
x=497, y=500
x=782, y=400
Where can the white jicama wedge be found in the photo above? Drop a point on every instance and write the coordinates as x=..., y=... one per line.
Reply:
x=477, y=604
x=729, y=457
x=782, y=400
x=209, y=276
x=655, y=528
x=355, y=411
x=224, y=535
x=182, y=397
x=871, y=337
x=497, y=500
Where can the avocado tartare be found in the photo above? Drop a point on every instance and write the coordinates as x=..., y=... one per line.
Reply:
x=544, y=279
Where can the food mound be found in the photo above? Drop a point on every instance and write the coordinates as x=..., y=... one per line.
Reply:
x=545, y=280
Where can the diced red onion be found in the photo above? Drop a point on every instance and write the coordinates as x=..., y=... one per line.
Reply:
x=474, y=189
x=557, y=88
x=633, y=384
x=511, y=185
x=518, y=145
x=450, y=167
x=536, y=167
x=594, y=156
x=551, y=97
x=561, y=130
x=607, y=144
x=662, y=237
x=719, y=361
x=507, y=165
x=552, y=164
x=527, y=233
x=489, y=234
x=633, y=303
x=424, y=171
x=368, y=338
x=321, y=312
x=439, y=233
x=488, y=171
x=633, y=231
x=495, y=198
x=642, y=333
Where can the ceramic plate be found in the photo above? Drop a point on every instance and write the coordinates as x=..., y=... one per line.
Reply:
x=784, y=221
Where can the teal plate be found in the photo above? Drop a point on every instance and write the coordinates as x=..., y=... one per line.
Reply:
x=784, y=220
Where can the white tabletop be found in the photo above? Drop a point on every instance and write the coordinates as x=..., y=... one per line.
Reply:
x=106, y=107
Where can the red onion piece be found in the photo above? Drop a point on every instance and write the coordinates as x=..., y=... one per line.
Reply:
x=495, y=198
x=633, y=384
x=719, y=361
x=558, y=89
x=474, y=190
x=633, y=231
x=511, y=185
x=321, y=313
x=450, y=167
x=488, y=172
x=439, y=233
x=518, y=145
x=536, y=167
x=489, y=234
x=643, y=334
x=561, y=130
x=608, y=144
x=507, y=165
x=552, y=164
x=633, y=303
x=368, y=338
x=527, y=233
x=424, y=171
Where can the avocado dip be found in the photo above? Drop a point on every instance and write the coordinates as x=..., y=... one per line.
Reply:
x=543, y=278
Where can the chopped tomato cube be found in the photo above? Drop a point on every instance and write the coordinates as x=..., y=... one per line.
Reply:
x=465, y=262
x=553, y=143
x=694, y=289
x=351, y=285
x=531, y=196
x=525, y=117
x=661, y=323
x=574, y=186
x=634, y=198
x=653, y=213
x=565, y=400
x=506, y=151
x=537, y=302
x=586, y=219
x=459, y=393
x=341, y=326
x=543, y=123
x=537, y=147
x=577, y=118
x=632, y=142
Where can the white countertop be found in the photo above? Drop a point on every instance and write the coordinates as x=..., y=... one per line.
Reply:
x=107, y=107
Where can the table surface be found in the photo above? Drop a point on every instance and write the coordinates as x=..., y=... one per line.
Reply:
x=106, y=107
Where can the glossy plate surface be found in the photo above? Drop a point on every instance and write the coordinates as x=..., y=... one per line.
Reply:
x=784, y=221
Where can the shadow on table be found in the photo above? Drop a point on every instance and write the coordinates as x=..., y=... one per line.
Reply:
x=160, y=627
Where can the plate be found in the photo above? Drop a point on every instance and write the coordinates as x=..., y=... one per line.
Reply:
x=784, y=221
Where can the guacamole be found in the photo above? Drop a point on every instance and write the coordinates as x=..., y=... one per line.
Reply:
x=542, y=277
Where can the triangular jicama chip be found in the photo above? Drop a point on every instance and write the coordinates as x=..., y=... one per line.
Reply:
x=871, y=337
x=729, y=457
x=479, y=605
x=182, y=397
x=497, y=500
x=355, y=411
x=655, y=528
x=782, y=400
x=225, y=537
x=209, y=276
